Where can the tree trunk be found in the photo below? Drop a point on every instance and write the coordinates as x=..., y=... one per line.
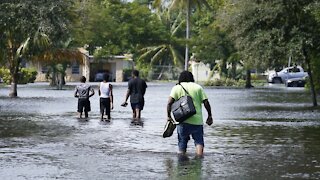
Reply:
x=14, y=71
x=63, y=79
x=248, y=79
x=312, y=88
x=14, y=82
x=234, y=70
x=53, y=81
x=60, y=81
x=63, y=74
x=14, y=68
x=187, y=35
x=224, y=70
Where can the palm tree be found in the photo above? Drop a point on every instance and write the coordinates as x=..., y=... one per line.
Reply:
x=168, y=50
x=16, y=51
x=186, y=5
x=25, y=30
x=58, y=59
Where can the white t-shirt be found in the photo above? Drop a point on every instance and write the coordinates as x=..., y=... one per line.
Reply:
x=104, y=90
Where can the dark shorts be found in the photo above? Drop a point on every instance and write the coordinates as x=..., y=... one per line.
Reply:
x=185, y=130
x=83, y=105
x=105, y=106
x=138, y=105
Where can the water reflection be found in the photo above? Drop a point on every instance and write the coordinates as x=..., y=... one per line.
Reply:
x=185, y=168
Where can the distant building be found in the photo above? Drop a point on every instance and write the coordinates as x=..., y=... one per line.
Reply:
x=202, y=72
x=89, y=67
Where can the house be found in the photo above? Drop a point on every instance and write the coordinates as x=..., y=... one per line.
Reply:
x=89, y=67
x=202, y=72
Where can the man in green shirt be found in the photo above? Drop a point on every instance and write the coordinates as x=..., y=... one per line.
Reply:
x=193, y=125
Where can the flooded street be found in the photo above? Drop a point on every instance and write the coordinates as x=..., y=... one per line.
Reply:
x=264, y=133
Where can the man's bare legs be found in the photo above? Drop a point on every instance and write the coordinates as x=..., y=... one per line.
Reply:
x=199, y=150
x=85, y=114
x=136, y=113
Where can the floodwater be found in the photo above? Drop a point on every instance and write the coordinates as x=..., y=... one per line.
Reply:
x=265, y=133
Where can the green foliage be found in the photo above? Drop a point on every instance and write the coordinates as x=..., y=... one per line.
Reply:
x=145, y=70
x=315, y=65
x=29, y=28
x=21, y=19
x=26, y=75
x=111, y=27
x=266, y=33
x=228, y=82
x=210, y=42
x=221, y=82
x=169, y=48
x=5, y=75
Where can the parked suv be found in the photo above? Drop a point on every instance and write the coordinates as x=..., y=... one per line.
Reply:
x=286, y=74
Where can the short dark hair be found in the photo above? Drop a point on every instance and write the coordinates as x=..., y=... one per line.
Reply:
x=83, y=79
x=186, y=76
x=135, y=73
x=106, y=77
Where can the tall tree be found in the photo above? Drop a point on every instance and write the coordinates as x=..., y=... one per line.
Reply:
x=187, y=6
x=267, y=32
x=112, y=27
x=28, y=27
x=167, y=49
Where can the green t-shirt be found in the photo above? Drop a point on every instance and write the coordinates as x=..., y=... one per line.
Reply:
x=198, y=96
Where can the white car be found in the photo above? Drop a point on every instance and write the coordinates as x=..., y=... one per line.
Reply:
x=286, y=74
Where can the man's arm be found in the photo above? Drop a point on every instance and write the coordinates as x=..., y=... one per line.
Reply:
x=111, y=96
x=208, y=108
x=170, y=102
x=76, y=93
x=99, y=92
x=92, y=92
x=124, y=104
x=127, y=95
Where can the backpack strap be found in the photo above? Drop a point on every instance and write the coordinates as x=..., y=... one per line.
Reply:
x=184, y=89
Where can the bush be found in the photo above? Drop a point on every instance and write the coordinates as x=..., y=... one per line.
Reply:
x=221, y=82
x=26, y=75
x=5, y=75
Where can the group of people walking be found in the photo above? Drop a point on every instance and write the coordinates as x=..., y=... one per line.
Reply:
x=136, y=90
x=193, y=126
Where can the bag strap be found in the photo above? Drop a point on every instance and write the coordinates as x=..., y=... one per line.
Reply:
x=184, y=89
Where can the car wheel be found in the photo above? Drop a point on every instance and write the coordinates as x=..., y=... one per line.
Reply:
x=294, y=84
x=277, y=80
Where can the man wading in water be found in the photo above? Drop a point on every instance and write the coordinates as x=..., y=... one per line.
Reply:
x=106, y=97
x=193, y=126
x=136, y=90
x=82, y=92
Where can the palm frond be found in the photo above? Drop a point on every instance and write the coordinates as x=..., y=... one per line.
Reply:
x=149, y=52
x=176, y=22
x=41, y=40
x=159, y=55
x=177, y=58
x=23, y=48
x=60, y=56
x=175, y=30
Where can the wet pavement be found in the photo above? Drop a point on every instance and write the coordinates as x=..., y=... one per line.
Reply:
x=263, y=133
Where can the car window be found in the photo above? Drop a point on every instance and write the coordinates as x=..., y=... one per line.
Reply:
x=294, y=70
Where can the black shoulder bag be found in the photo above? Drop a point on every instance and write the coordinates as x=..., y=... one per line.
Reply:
x=183, y=108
